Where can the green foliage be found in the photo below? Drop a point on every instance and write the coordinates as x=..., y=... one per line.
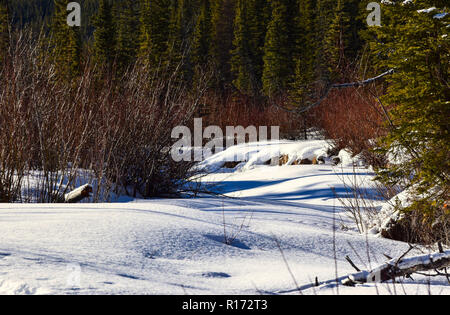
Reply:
x=335, y=41
x=181, y=30
x=65, y=43
x=342, y=40
x=155, y=24
x=37, y=14
x=202, y=35
x=305, y=63
x=259, y=47
x=278, y=48
x=105, y=34
x=222, y=30
x=247, y=55
x=416, y=45
x=128, y=27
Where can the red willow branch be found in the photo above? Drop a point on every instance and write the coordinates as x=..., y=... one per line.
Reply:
x=337, y=87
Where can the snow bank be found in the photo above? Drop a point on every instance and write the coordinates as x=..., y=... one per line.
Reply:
x=347, y=159
x=389, y=213
x=252, y=155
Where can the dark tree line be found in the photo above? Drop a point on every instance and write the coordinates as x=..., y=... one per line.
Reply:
x=257, y=47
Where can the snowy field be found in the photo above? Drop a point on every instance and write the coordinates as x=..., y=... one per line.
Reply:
x=279, y=228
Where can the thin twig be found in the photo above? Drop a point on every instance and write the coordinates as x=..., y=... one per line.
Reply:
x=287, y=266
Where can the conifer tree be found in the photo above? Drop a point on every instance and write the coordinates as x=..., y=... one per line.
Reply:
x=182, y=24
x=155, y=24
x=279, y=48
x=241, y=60
x=65, y=42
x=335, y=42
x=222, y=32
x=4, y=29
x=105, y=34
x=127, y=26
x=342, y=41
x=414, y=42
x=249, y=32
x=260, y=18
x=306, y=61
x=325, y=14
x=202, y=35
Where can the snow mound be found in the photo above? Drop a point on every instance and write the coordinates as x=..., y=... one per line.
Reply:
x=389, y=213
x=251, y=155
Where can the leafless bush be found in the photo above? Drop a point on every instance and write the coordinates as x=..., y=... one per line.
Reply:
x=423, y=222
x=361, y=200
x=141, y=115
x=353, y=119
x=233, y=109
x=113, y=132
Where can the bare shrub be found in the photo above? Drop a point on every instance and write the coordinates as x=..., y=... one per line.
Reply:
x=141, y=115
x=361, y=200
x=233, y=109
x=113, y=132
x=353, y=119
x=47, y=122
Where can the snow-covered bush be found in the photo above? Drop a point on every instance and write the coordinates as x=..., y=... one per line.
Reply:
x=400, y=220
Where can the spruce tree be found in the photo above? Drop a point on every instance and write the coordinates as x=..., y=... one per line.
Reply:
x=65, y=43
x=222, y=30
x=247, y=55
x=325, y=14
x=260, y=18
x=105, y=34
x=306, y=59
x=415, y=43
x=127, y=26
x=241, y=60
x=182, y=24
x=155, y=24
x=280, y=48
x=4, y=30
x=202, y=35
x=335, y=41
x=342, y=41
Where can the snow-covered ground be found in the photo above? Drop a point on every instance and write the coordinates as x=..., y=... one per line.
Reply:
x=177, y=246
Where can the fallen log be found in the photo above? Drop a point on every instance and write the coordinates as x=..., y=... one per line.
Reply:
x=78, y=194
x=403, y=267
x=395, y=268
